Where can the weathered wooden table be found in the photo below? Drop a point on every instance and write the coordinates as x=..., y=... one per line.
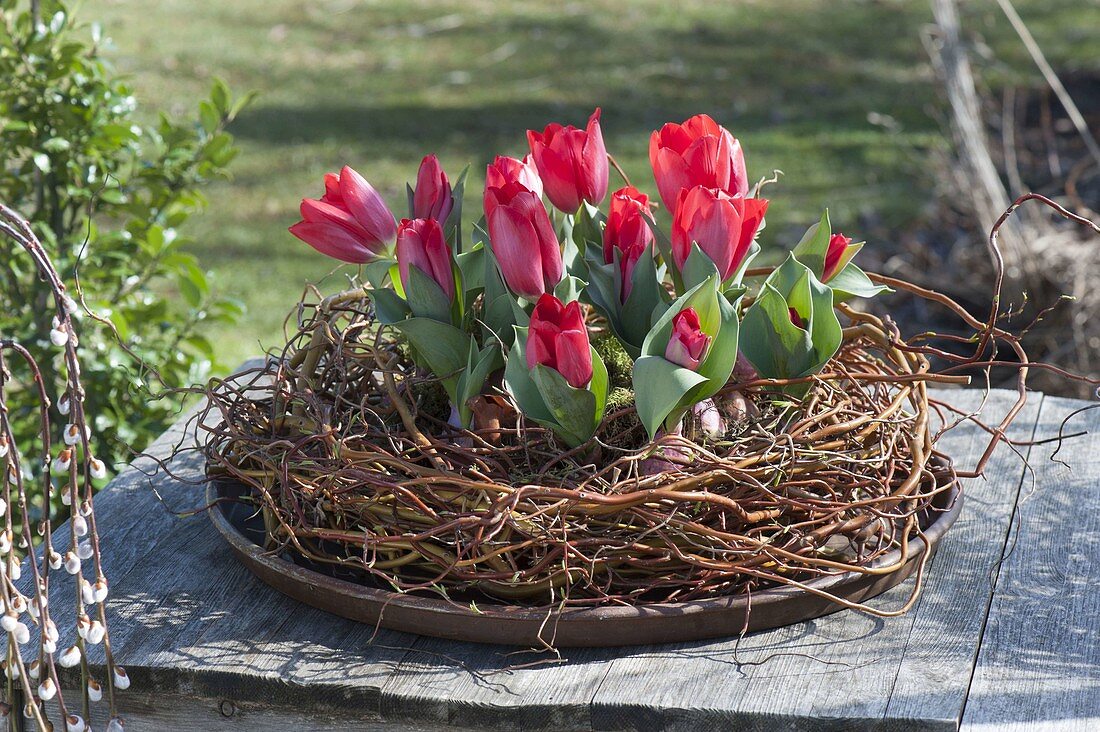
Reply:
x=1005, y=636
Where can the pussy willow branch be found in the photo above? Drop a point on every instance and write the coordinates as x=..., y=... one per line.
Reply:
x=43, y=557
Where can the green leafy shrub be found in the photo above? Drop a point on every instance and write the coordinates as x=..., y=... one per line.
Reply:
x=107, y=195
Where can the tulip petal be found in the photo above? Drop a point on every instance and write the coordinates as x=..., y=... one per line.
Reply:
x=672, y=176
x=367, y=206
x=516, y=246
x=320, y=212
x=333, y=241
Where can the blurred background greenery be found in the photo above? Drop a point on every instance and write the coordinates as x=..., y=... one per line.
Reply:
x=840, y=96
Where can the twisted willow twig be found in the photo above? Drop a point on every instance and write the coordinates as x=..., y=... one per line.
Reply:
x=353, y=468
x=77, y=466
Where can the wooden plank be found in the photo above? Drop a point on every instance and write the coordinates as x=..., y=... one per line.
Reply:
x=839, y=672
x=1039, y=664
x=941, y=648
x=146, y=710
x=475, y=685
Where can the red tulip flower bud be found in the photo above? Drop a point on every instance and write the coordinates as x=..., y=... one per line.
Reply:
x=840, y=252
x=557, y=338
x=572, y=163
x=796, y=318
x=524, y=242
x=432, y=198
x=722, y=225
x=698, y=152
x=421, y=244
x=628, y=230
x=688, y=345
x=504, y=169
x=350, y=222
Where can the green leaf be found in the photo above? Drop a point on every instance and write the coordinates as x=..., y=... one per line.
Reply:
x=479, y=364
x=443, y=349
x=698, y=267
x=452, y=227
x=703, y=297
x=426, y=298
x=777, y=347
x=814, y=245
x=219, y=96
x=521, y=385
x=569, y=288
x=209, y=117
x=573, y=410
x=378, y=272
x=388, y=306
x=852, y=282
x=659, y=388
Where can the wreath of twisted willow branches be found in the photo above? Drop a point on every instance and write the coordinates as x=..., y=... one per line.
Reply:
x=350, y=471
x=28, y=539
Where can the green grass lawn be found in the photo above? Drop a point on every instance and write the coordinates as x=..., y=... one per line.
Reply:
x=838, y=95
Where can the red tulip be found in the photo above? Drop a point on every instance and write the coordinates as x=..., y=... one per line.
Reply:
x=421, y=244
x=524, y=242
x=350, y=222
x=837, y=257
x=504, y=169
x=723, y=226
x=432, y=198
x=628, y=230
x=796, y=318
x=699, y=152
x=688, y=345
x=572, y=163
x=558, y=338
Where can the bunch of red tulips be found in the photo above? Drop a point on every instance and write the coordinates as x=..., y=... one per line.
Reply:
x=514, y=296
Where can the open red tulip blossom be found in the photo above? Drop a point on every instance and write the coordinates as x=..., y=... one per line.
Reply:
x=723, y=226
x=688, y=345
x=524, y=242
x=504, y=169
x=628, y=230
x=421, y=244
x=699, y=152
x=840, y=252
x=350, y=222
x=557, y=338
x=572, y=163
x=432, y=198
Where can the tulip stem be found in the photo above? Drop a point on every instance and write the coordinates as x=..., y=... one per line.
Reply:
x=622, y=173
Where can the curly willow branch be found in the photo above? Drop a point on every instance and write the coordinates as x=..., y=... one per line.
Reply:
x=27, y=526
x=337, y=442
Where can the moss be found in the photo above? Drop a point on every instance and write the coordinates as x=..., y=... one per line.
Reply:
x=620, y=366
x=625, y=431
x=431, y=399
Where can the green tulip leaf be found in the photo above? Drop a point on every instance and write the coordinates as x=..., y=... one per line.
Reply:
x=852, y=282
x=520, y=384
x=378, y=273
x=775, y=346
x=646, y=295
x=389, y=308
x=479, y=364
x=569, y=289
x=452, y=227
x=698, y=267
x=814, y=245
x=426, y=298
x=659, y=389
x=703, y=297
x=472, y=266
x=443, y=348
x=576, y=412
